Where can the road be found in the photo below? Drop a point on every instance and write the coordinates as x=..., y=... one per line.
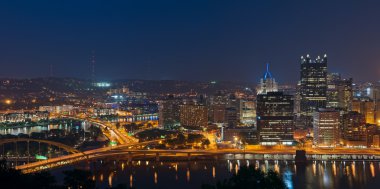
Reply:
x=73, y=158
x=119, y=135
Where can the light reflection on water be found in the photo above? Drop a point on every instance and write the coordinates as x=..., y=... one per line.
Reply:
x=39, y=129
x=317, y=174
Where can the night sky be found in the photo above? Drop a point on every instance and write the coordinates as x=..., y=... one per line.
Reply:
x=187, y=40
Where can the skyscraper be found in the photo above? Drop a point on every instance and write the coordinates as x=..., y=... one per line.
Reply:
x=275, y=118
x=267, y=83
x=326, y=127
x=193, y=115
x=339, y=92
x=217, y=108
x=169, y=112
x=313, y=87
x=354, y=129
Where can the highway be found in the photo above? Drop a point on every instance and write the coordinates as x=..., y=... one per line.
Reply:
x=73, y=158
x=126, y=142
x=116, y=135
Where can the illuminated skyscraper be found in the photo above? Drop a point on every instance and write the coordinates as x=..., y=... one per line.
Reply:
x=353, y=129
x=275, y=118
x=326, y=127
x=267, y=83
x=193, y=115
x=365, y=106
x=339, y=92
x=313, y=86
x=217, y=108
x=169, y=112
x=247, y=112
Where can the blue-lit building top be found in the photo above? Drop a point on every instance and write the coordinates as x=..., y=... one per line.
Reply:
x=267, y=83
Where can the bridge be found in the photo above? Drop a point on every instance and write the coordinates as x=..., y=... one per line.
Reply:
x=73, y=158
x=125, y=151
x=28, y=140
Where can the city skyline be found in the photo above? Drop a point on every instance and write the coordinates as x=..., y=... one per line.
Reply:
x=187, y=41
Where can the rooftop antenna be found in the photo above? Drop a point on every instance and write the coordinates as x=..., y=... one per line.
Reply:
x=267, y=73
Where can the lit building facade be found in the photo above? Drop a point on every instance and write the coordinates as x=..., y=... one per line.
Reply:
x=339, y=92
x=313, y=87
x=353, y=130
x=169, y=113
x=365, y=106
x=193, y=115
x=275, y=118
x=247, y=113
x=217, y=108
x=326, y=127
x=24, y=116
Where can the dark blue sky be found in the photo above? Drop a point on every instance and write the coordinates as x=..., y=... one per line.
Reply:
x=189, y=40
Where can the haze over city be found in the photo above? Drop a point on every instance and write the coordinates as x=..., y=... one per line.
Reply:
x=192, y=40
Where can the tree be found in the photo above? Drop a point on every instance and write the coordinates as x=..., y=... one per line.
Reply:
x=78, y=179
x=250, y=178
x=206, y=142
x=12, y=178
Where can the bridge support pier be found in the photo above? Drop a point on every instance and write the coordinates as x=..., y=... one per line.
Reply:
x=27, y=146
x=157, y=157
x=16, y=153
x=188, y=156
x=216, y=157
x=129, y=157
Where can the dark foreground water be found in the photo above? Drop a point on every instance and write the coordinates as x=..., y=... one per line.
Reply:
x=191, y=175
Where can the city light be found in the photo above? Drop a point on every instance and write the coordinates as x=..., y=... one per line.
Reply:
x=189, y=91
x=8, y=101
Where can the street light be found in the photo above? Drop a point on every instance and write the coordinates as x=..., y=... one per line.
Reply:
x=8, y=101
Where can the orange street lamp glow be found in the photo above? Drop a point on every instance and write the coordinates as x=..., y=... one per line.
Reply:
x=8, y=101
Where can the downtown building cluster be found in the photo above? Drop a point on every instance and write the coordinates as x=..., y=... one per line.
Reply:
x=324, y=110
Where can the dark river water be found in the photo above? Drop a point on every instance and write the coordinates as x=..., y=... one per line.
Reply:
x=191, y=175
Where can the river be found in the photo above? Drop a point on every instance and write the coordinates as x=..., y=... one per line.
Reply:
x=191, y=175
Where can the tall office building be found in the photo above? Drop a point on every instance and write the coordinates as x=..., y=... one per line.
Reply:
x=339, y=92
x=313, y=87
x=275, y=118
x=232, y=114
x=169, y=112
x=247, y=112
x=193, y=115
x=376, y=99
x=365, y=106
x=217, y=108
x=326, y=127
x=353, y=130
x=267, y=83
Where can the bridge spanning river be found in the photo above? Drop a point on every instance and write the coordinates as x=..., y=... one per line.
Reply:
x=126, y=150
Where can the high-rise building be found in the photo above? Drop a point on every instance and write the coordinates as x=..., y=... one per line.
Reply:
x=232, y=114
x=193, y=115
x=275, y=118
x=339, y=92
x=353, y=130
x=326, y=127
x=247, y=112
x=313, y=87
x=169, y=113
x=217, y=108
x=267, y=83
x=365, y=106
x=231, y=117
x=376, y=99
